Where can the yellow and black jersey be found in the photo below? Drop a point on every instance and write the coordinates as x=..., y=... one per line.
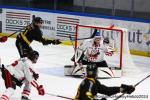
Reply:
x=89, y=87
x=31, y=32
x=25, y=38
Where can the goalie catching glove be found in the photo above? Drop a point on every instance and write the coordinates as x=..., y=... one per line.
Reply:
x=127, y=88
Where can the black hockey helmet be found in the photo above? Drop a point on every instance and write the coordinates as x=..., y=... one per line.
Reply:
x=38, y=20
x=91, y=70
x=33, y=55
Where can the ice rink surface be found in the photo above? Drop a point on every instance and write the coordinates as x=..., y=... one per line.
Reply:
x=51, y=68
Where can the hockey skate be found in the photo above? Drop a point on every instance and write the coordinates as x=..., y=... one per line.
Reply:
x=25, y=98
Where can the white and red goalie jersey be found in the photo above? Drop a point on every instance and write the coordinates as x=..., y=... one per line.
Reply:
x=92, y=52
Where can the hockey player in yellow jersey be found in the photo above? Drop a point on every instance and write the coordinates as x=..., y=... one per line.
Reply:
x=90, y=86
x=32, y=32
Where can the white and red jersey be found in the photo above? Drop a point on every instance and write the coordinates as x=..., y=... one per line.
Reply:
x=22, y=69
x=92, y=52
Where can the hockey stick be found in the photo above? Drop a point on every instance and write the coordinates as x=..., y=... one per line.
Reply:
x=59, y=96
x=81, y=68
x=107, y=72
x=92, y=36
x=134, y=86
x=95, y=31
x=33, y=17
x=16, y=32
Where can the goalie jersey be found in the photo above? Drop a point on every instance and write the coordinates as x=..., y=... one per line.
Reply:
x=92, y=52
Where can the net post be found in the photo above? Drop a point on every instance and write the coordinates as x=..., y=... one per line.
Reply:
x=121, y=49
x=76, y=36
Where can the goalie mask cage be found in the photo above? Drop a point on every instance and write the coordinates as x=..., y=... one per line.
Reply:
x=118, y=38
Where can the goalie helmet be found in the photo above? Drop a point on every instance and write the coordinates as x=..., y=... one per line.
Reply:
x=91, y=70
x=33, y=55
x=97, y=35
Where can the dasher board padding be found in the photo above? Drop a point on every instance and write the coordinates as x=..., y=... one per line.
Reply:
x=103, y=72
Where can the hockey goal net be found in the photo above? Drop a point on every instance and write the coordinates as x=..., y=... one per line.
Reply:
x=118, y=38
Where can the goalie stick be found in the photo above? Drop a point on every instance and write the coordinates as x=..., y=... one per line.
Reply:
x=81, y=68
x=95, y=31
x=92, y=36
x=59, y=96
x=134, y=86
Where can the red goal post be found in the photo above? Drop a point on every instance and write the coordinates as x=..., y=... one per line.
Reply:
x=85, y=32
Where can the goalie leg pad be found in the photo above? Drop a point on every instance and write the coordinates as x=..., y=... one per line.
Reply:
x=79, y=55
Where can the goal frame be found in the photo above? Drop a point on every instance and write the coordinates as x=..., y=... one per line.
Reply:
x=103, y=28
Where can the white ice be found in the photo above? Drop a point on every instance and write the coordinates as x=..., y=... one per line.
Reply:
x=51, y=68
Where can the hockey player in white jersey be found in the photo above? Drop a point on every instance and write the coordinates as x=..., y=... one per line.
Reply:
x=93, y=51
x=18, y=73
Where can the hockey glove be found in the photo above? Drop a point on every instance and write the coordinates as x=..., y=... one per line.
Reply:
x=3, y=39
x=35, y=75
x=127, y=88
x=56, y=42
x=41, y=90
x=106, y=41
